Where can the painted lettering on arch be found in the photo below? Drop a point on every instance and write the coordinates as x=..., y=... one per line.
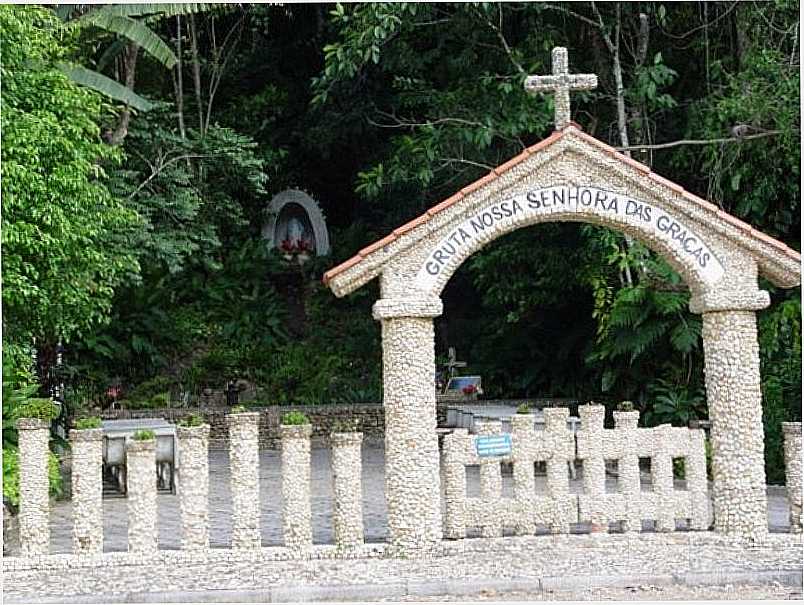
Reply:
x=564, y=201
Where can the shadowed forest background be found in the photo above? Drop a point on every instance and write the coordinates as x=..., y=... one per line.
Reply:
x=142, y=144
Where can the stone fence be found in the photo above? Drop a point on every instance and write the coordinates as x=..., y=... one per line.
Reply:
x=556, y=447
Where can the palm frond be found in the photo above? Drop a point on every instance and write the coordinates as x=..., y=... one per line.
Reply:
x=132, y=30
x=105, y=86
x=154, y=8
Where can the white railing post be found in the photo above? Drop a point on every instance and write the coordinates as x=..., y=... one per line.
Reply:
x=244, y=462
x=141, y=472
x=34, y=515
x=194, y=486
x=87, y=480
x=347, y=472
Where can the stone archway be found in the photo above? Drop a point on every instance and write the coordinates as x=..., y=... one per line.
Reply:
x=571, y=176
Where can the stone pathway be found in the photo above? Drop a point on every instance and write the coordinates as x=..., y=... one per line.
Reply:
x=374, y=510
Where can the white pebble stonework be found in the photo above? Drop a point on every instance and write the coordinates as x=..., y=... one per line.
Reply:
x=244, y=459
x=792, y=463
x=141, y=472
x=296, y=511
x=34, y=514
x=348, y=489
x=193, y=480
x=87, y=485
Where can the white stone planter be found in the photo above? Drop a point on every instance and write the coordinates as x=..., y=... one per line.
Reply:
x=34, y=515
x=347, y=473
x=87, y=480
x=193, y=482
x=296, y=511
x=244, y=460
x=141, y=471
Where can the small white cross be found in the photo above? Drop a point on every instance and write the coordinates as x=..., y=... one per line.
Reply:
x=561, y=82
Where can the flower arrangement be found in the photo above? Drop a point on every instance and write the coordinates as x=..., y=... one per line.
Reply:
x=297, y=246
x=469, y=389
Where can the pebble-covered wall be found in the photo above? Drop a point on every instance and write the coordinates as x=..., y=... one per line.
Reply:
x=87, y=483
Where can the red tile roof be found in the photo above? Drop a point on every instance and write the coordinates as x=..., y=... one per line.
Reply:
x=503, y=168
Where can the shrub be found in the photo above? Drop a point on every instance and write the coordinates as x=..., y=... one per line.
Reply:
x=11, y=475
x=523, y=408
x=625, y=406
x=151, y=388
x=37, y=407
x=294, y=418
x=238, y=409
x=144, y=435
x=161, y=400
x=92, y=422
x=192, y=420
x=345, y=425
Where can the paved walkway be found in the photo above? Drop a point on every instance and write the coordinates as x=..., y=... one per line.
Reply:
x=374, y=510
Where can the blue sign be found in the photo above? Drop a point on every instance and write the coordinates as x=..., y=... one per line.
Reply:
x=493, y=445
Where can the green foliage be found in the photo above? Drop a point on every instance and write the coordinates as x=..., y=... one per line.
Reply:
x=11, y=475
x=63, y=234
x=143, y=435
x=294, y=418
x=341, y=425
x=238, y=409
x=523, y=408
x=675, y=404
x=625, y=406
x=92, y=422
x=192, y=420
x=41, y=408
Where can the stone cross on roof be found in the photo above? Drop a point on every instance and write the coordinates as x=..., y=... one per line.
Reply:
x=561, y=82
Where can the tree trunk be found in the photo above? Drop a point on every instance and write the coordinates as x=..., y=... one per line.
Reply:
x=179, y=79
x=129, y=65
x=196, y=74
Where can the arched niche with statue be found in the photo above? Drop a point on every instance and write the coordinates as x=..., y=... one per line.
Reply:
x=295, y=225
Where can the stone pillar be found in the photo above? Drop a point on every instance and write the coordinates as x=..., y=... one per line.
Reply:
x=244, y=463
x=141, y=472
x=490, y=482
x=792, y=466
x=697, y=481
x=296, y=510
x=661, y=474
x=455, y=446
x=629, y=484
x=194, y=486
x=523, y=435
x=590, y=450
x=34, y=514
x=87, y=480
x=735, y=409
x=561, y=444
x=412, y=481
x=347, y=474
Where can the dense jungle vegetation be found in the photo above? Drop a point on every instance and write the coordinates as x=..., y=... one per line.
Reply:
x=142, y=144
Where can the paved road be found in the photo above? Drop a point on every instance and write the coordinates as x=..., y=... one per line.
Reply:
x=115, y=514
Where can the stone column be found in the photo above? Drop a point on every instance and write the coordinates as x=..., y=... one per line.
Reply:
x=87, y=480
x=455, y=446
x=244, y=463
x=697, y=481
x=629, y=484
x=561, y=444
x=34, y=514
x=347, y=474
x=194, y=486
x=412, y=481
x=735, y=409
x=523, y=435
x=490, y=482
x=661, y=474
x=590, y=450
x=296, y=510
x=792, y=465
x=141, y=472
